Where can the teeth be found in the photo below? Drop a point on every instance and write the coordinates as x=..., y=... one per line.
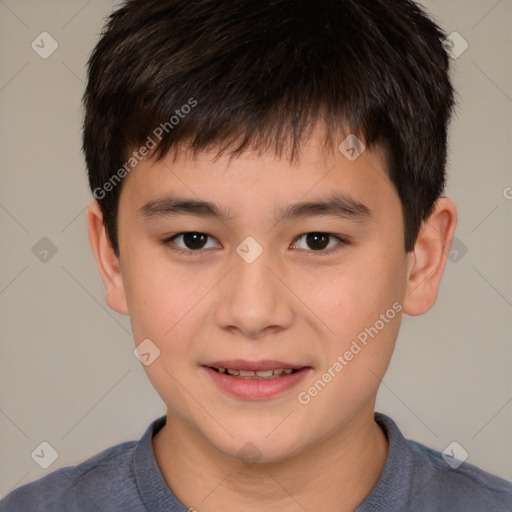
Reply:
x=265, y=373
x=259, y=374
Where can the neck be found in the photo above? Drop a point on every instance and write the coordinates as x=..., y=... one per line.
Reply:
x=334, y=475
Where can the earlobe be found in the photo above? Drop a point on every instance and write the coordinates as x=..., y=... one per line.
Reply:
x=106, y=259
x=429, y=257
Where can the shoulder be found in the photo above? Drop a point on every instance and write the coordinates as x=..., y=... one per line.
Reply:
x=421, y=478
x=454, y=482
x=105, y=477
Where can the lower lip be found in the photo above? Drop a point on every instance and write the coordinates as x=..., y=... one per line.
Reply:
x=256, y=389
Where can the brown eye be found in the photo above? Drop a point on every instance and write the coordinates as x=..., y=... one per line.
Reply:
x=318, y=242
x=191, y=241
x=194, y=240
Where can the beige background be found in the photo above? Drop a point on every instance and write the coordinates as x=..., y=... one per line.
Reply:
x=67, y=372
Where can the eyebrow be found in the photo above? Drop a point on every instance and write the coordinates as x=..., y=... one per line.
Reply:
x=337, y=205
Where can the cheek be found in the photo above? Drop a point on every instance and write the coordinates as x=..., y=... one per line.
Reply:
x=158, y=296
x=353, y=296
x=164, y=305
x=361, y=305
x=150, y=307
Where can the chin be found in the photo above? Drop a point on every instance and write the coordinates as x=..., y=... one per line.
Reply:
x=250, y=453
x=259, y=443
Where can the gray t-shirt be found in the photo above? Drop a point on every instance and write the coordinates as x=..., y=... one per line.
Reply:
x=127, y=478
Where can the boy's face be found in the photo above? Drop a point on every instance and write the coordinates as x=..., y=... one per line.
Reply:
x=301, y=303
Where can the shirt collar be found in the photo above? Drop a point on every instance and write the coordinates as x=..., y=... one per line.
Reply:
x=389, y=494
x=152, y=487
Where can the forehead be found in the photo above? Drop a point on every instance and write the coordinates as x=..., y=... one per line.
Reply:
x=256, y=183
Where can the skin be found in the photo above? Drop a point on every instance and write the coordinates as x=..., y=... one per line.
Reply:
x=293, y=303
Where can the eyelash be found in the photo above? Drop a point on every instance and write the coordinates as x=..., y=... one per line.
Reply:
x=169, y=241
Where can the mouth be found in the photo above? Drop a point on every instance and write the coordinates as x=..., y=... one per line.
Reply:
x=252, y=374
x=255, y=380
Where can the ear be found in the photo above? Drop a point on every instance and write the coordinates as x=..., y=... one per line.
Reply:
x=429, y=257
x=106, y=259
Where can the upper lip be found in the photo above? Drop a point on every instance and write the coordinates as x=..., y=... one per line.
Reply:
x=241, y=364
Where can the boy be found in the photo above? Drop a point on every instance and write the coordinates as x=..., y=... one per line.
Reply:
x=268, y=204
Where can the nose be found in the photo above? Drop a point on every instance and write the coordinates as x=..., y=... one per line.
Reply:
x=252, y=300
